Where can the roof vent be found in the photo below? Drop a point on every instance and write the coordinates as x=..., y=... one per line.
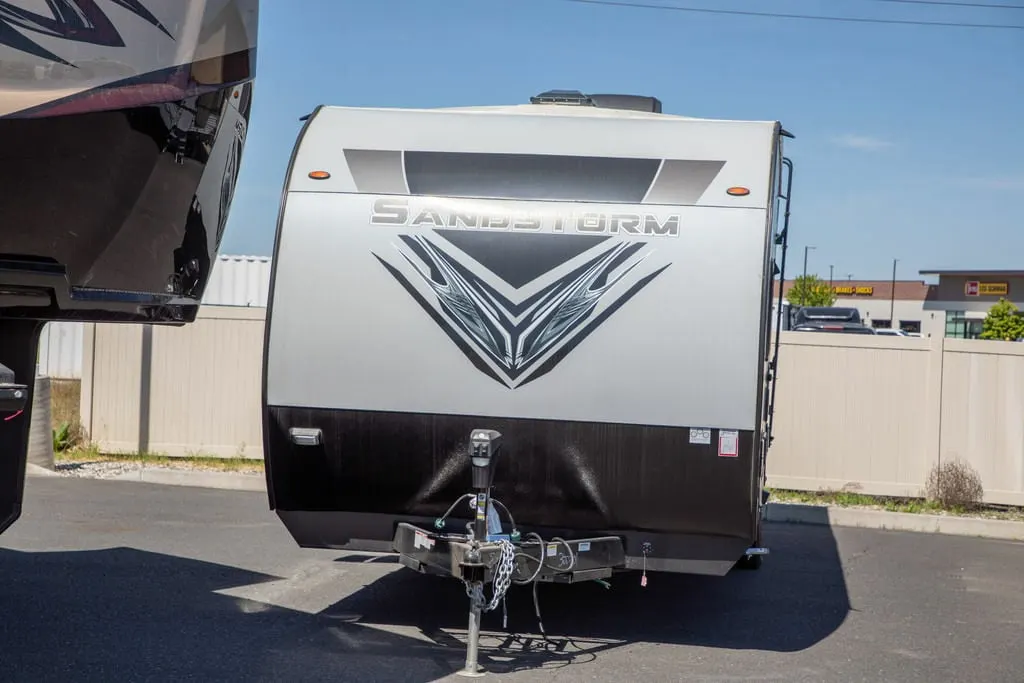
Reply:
x=607, y=101
x=562, y=97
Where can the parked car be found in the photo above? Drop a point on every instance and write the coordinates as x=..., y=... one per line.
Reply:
x=822, y=314
x=848, y=328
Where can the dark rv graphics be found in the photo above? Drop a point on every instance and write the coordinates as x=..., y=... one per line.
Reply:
x=464, y=403
x=116, y=190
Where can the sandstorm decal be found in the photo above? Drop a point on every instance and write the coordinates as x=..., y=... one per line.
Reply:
x=517, y=341
x=80, y=21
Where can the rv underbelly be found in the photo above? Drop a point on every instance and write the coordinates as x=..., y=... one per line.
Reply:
x=588, y=333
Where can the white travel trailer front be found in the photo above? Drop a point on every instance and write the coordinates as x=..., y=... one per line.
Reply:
x=547, y=271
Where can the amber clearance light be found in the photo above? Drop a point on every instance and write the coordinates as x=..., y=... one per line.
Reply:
x=738, y=191
x=319, y=175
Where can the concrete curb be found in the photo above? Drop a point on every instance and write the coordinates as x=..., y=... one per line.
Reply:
x=35, y=470
x=198, y=478
x=793, y=513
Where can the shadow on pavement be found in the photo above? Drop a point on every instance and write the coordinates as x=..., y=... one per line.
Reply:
x=797, y=599
x=130, y=615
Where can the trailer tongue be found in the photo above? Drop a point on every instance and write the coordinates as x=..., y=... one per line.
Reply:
x=484, y=554
x=496, y=346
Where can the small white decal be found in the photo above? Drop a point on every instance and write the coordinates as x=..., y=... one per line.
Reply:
x=728, y=443
x=701, y=436
x=584, y=546
x=421, y=540
x=552, y=549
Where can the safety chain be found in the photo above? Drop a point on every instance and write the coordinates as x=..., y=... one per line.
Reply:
x=503, y=570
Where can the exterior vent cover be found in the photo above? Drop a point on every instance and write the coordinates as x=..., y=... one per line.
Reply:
x=605, y=101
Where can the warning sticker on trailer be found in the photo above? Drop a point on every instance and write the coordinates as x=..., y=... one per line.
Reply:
x=421, y=540
x=728, y=443
x=700, y=436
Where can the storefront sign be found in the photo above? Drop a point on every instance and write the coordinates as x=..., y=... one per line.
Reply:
x=976, y=288
x=850, y=290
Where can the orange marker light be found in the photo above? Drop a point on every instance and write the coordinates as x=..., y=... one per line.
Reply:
x=319, y=175
x=738, y=191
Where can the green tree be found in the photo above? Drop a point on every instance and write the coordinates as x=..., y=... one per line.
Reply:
x=810, y=290
x=1003, y=322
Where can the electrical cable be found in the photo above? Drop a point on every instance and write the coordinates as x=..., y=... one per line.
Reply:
x=439, y=522
x=781, y=15
x=540, y=562
x=516, y=552
x=511, y=519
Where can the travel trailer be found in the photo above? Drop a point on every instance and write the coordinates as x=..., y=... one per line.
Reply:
x=122, y=124
x=508, y=305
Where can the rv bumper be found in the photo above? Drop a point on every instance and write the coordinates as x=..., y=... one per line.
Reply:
x=431, y=552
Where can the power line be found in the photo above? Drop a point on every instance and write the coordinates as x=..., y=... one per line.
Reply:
x=779, y=15
x=947, y=3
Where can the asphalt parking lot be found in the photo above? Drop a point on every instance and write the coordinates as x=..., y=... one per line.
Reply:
x=117, y=581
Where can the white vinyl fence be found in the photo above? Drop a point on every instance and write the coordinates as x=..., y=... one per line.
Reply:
x=863, y=413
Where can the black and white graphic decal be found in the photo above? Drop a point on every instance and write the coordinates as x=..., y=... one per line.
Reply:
x=517, y=341
x=80, y=21
x=571, y=267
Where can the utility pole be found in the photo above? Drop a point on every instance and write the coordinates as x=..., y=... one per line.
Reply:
x=806, y=249
x=892, y=296
x=830, y=269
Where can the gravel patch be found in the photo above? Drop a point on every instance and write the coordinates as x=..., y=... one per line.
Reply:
x=112, y=469
x=1003, y=512
x=97, y=470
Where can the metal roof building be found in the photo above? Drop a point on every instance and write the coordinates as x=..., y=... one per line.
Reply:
x=234, y=281
x=239, y=281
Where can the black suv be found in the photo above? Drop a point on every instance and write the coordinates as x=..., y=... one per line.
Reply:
x=829, y=319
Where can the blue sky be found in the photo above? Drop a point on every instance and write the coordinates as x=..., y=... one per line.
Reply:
x=909, y=140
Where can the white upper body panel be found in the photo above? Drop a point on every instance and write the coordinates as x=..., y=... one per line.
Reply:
x=543, y=262
x=698, y=159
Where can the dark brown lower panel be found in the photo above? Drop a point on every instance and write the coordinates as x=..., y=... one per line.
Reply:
x=676, y=553
x=584, y=477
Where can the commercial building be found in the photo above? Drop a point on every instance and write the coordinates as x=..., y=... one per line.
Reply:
x=954, y=307
x=962, y=298
x=880, y=303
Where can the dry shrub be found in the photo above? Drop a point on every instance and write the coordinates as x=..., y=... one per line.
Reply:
x=64, y=401
x=955, y=484
x=66, y=414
